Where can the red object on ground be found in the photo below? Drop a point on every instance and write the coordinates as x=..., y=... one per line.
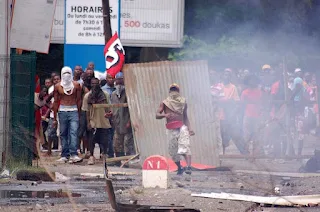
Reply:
x=155, y=162
x=174, y=125
x=173, y=167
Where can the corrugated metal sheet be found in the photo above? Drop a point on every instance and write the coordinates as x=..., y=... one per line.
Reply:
x=147, y=84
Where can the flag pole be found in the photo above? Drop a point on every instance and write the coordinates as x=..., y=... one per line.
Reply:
x=106, y=21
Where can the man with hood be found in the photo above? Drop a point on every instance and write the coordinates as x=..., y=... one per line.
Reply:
x=67, y=102
x=174, y=109
x=123, y=138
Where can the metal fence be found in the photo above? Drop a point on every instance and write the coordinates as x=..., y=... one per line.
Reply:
x=23, y=68
x=147, y=84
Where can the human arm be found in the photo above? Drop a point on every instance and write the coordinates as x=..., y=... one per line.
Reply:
x=160, y=110
x=78, y=97
x=55, y=104
x=85, y=108
x=186, y=120
x=108, y=112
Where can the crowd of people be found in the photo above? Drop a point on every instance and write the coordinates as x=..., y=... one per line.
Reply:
x=72, y=122
x=252, y=108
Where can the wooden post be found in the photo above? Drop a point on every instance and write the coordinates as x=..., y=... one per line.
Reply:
x=106, y=20
x=289, y=141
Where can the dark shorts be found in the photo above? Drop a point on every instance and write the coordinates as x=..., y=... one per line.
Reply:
x=52, y=132
x=83, y=132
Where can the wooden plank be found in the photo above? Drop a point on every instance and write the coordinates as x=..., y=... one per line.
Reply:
x=116, y=159
x=281, y=174
x=133, y=157
x=110, y=105
x=304, y=200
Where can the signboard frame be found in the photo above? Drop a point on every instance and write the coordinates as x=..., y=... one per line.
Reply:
x=177, y=32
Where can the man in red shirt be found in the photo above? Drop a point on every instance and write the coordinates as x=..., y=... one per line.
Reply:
x=252, y=99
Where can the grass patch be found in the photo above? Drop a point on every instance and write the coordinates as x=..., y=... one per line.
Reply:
x=14, y=165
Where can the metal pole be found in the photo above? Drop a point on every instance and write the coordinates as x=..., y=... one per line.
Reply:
x=289, y=141
x=106, y=20
x=4, y=70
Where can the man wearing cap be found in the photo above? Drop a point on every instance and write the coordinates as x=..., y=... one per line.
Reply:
x=174, y=109
x=123, y=138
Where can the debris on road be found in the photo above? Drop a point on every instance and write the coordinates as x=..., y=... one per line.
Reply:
x=5, y=174
x=303, y=200
x=61, y=177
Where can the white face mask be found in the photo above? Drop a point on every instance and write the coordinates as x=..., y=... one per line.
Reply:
x=67, y=80
x=119, y=89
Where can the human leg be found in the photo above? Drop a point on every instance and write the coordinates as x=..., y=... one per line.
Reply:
x=129, y=144
x=110, y=136
x=173, y=149
x=64, y=134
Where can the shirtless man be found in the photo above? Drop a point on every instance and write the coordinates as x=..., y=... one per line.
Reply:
x=67, y=101
x=174, y=109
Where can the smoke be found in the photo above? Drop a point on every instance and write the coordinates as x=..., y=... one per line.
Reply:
x=248, y=34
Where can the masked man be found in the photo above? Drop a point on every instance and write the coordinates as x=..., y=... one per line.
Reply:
x=123, y=139
x=97, y=118
x=174, y=109
x=67, y=102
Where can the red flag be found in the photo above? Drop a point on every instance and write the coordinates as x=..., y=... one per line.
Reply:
x=37, y=84
x=114, y=55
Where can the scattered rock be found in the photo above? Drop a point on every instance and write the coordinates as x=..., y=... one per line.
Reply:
x=138, y=190
x=97, y=209
x=34, y=183
x=134, y=202
x=48, y=210
x=240, y=185
x=86, y=209
x=5, y=174
x=187, y=178
x=30, y=208
x=61, y=177
x=46, y=195
x=118, y=191
x=38, y=207
x=179, y=184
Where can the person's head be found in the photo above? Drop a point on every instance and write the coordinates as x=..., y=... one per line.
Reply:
x=119, y=79
x=266, y=68
x=77, y=71
x=56, y=79
x=103, y=82
x=252, y=81
x=48, y=82
x=110, y=80
x=226, y=77
x=174, y=88
x=307, y=77
x=66, y=74
x=43, y=92
x=91, y=65
x=53, y=74
x=95, y=84
x=298, y=72
x=90, y=73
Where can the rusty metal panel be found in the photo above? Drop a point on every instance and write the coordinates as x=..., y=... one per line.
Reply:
x=147, y=84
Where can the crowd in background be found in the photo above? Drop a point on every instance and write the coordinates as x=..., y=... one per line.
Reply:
x=252, y=109
x=108, y=127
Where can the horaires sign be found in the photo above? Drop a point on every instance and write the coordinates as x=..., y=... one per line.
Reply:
x=143, y=22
